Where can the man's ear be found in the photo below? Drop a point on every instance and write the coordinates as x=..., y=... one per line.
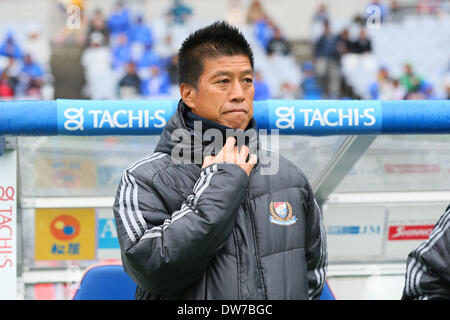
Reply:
x=187, y=93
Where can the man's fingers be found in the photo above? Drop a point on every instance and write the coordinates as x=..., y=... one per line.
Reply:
x=229, y=144
x=207, y=161
x=253, y=159
x=243, y=153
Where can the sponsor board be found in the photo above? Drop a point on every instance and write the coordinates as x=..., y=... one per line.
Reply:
x=8, y=222
x=354, y=232
x=314, y=116
x=408, y=232
x=65, y=234
x=107, y=240
x=101, y=117
x=65, y=173
x=110, y=117
x=408, y=226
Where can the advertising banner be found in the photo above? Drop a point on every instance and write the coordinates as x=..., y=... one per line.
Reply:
x=65, y=234
x=107, y=241
x=355, y=232
x=8, y=222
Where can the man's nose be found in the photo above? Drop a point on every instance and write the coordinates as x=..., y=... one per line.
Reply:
x=237, y=92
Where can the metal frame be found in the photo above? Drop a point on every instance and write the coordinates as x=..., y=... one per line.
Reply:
x=339, y=165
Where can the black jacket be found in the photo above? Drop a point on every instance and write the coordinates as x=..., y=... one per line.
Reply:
x=216, y=233
x=428, y=266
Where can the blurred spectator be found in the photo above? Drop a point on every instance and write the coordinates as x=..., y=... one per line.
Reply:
x=96, y=61
x=31, y=78
x=343, y=43
x=255, y=12
x=98, y=24
x=37, y=47
x=166, y=47
x=446, y=81
x=10, y=48
x=6, y=87
x=327, y=63
x=140, y=32
x=319, y=19
x=278, y=44
x=121, y=52
x=394, y=11
x=130, y=84
x=382, y=87
x=426, y=89
x=235, y=13
x=172, y=69
x=179, y=13
x=321, y=15
x=119, y=20
x=410, y=80
x=398, y=92
x=264, y=31
x=362, y=44
x=383, y=10
x=262, y=91
x=287, y=91
x=148, y=58
x=157, y=83
x=310, y=87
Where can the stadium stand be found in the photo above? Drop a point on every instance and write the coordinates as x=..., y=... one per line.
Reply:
x=25, y=63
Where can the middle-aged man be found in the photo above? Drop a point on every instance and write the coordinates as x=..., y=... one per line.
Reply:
x=218, y=228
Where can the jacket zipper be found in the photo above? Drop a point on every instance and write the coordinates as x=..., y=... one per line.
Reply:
x=238, y=261
x=252, y=222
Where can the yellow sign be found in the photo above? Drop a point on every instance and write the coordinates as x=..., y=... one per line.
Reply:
x=65, y=234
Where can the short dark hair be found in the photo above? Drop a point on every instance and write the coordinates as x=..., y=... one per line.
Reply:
x=217, y=39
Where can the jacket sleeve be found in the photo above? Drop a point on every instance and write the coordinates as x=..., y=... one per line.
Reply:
x=428, y=266
x=166, y=257
x=315, y=249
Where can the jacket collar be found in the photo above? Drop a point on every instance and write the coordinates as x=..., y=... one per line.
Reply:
x=194, y=140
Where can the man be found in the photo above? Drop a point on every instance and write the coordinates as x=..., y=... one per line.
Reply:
x=220, y=228
x=427, y=268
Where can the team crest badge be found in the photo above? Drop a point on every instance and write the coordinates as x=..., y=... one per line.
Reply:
x=281, y=213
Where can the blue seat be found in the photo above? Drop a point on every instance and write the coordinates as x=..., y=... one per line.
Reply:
x=327, y=294
x=110, y=282
x=106, y=282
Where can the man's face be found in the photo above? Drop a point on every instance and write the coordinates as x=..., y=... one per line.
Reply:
x=224, y=91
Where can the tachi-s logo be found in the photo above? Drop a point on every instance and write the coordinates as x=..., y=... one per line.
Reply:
x=75, y=119
x=286, y=117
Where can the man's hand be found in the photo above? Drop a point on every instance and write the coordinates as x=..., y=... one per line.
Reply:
x=231, y=154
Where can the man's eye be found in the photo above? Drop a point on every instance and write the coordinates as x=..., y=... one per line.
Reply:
x=248, y=80
x=223, y=81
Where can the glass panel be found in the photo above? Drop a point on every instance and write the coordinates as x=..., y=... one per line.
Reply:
x=401, y=163
x=92, y=166
x=78, y=166
x=309, y=154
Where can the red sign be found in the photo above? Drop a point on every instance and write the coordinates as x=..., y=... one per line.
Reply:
x=419, y=232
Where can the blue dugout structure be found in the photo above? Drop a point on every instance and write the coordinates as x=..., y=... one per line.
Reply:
x=290, y=117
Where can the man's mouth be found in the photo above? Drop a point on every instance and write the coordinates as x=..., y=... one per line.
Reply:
x=236, y=111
